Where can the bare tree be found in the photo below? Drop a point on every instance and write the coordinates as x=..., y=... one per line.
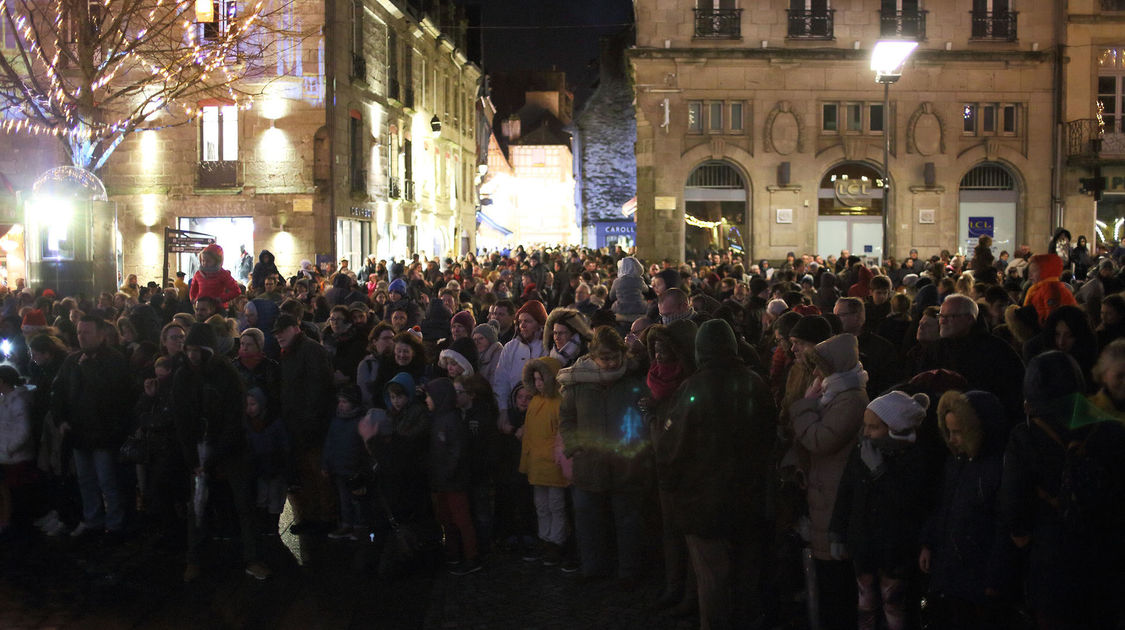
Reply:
x=91, y=72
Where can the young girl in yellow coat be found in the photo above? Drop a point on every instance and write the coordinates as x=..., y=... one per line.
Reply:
x=537, y=459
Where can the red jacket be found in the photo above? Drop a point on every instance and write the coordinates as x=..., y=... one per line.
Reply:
x=219, y=285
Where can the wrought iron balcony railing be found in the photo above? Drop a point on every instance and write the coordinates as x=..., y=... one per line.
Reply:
x=811, y=24
x=218, y=174
x=994, y=25
x=908, y=24
x=718, y=23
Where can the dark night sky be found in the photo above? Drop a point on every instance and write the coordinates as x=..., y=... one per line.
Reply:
x=570, y=49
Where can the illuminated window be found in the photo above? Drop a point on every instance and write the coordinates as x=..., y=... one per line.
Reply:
x=219, y=133
x=222, y=19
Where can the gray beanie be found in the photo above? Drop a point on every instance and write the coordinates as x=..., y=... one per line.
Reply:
x=488, y=332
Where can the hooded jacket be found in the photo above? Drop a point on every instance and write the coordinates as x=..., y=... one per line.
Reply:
x=413, y=420
x=1049, y=293
x=216, y=284
x=714, y=455
x=629, y=287
x=541, y=425
x=969, y=549
x=449, y=439
x=602, y=427
x=263, y=269
x=826, y=429
x=577, y=345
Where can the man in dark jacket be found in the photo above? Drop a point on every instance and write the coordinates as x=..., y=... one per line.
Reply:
x=209, y=401
x=984, y=359
x=877, y=355
x=91, y=400
x=715, y=453
x=306, y=409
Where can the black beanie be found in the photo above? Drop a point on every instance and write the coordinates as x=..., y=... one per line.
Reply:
x=813, y=329
x=202, y=335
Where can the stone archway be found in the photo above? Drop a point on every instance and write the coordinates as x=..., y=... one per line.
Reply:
x=716, y=209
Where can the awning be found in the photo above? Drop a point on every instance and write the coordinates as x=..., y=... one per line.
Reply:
x=629, y=207
x=485, y=219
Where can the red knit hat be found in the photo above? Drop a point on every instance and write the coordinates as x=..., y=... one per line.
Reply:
x=1050, y=265
x=536, y=309
x=34, y=317
x=214, y=250
x=48, y=293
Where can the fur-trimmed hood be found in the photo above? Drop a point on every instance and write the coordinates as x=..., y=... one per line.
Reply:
x=571, y=318
x=548, y=368
x=983, y=417
x=1022, y=321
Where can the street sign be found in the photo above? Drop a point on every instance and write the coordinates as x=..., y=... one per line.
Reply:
x=183, y=242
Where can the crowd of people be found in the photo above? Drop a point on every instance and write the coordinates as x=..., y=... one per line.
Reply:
x=933, y=441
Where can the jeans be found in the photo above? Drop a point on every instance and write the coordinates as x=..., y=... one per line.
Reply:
x=97, y=480
x=592, y=513
x=352, y=513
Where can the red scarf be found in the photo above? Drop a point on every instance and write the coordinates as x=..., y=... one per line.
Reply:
x=250, y=361
x=664, y=378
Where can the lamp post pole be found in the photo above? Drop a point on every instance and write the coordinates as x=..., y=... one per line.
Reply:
x=886, y=168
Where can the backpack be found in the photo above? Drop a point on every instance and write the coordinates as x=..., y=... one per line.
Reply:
x=1089, y=489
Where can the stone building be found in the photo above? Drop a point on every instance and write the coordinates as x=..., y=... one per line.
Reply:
x=1093, y=74
x=760, y=127
x=606, y=131
x=363, y=144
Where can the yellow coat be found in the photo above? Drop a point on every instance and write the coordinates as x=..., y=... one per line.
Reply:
x=537, y=457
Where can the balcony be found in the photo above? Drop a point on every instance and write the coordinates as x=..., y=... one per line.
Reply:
x=904, y=24
x=1090, y=141
x=218, y=174
x=811, y=24
x=359, y=67
x=996, y=26
x=408, y=190
x=718, y=23
x=393, y=189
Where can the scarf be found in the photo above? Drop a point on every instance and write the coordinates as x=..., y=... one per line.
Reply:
x=249, y=360
x=585, y=370
x=664, y=378
x=568, y=353
x=209, y=271
x=839, y=382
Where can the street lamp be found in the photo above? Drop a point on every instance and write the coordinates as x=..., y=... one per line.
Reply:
x=887, y=60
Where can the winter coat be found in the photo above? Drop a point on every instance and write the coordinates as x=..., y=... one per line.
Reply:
x=306, y=393
x=602, y=428
x=449, y=440
x=17, y=442
x=265, y=376
x=263, y=269
x=826, y=431
x=367, y=377
x=714, y=455
x=269, y=448
x=988, y=363
x=346, y=350
x=970, y=551
x=216, y=284
x=509, y=367
x=209, y=402
x=1067, y=571
x=627, y=292
x=344, y=453
x=541, y=427
x=879, y=515
x=95, y=397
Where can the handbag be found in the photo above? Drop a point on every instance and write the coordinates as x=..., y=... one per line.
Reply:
x=134, y=450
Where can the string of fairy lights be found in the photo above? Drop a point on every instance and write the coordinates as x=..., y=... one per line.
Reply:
x=199, y=60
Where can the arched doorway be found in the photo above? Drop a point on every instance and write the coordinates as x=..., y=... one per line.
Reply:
x=850, y=212
x=716, y=209
x=987, y=203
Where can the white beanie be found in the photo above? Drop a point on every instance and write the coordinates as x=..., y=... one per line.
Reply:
x=776, y=307
x=458, y=358
x=901, y=413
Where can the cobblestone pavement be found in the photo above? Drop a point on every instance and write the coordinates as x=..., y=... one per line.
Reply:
x=61, y=583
